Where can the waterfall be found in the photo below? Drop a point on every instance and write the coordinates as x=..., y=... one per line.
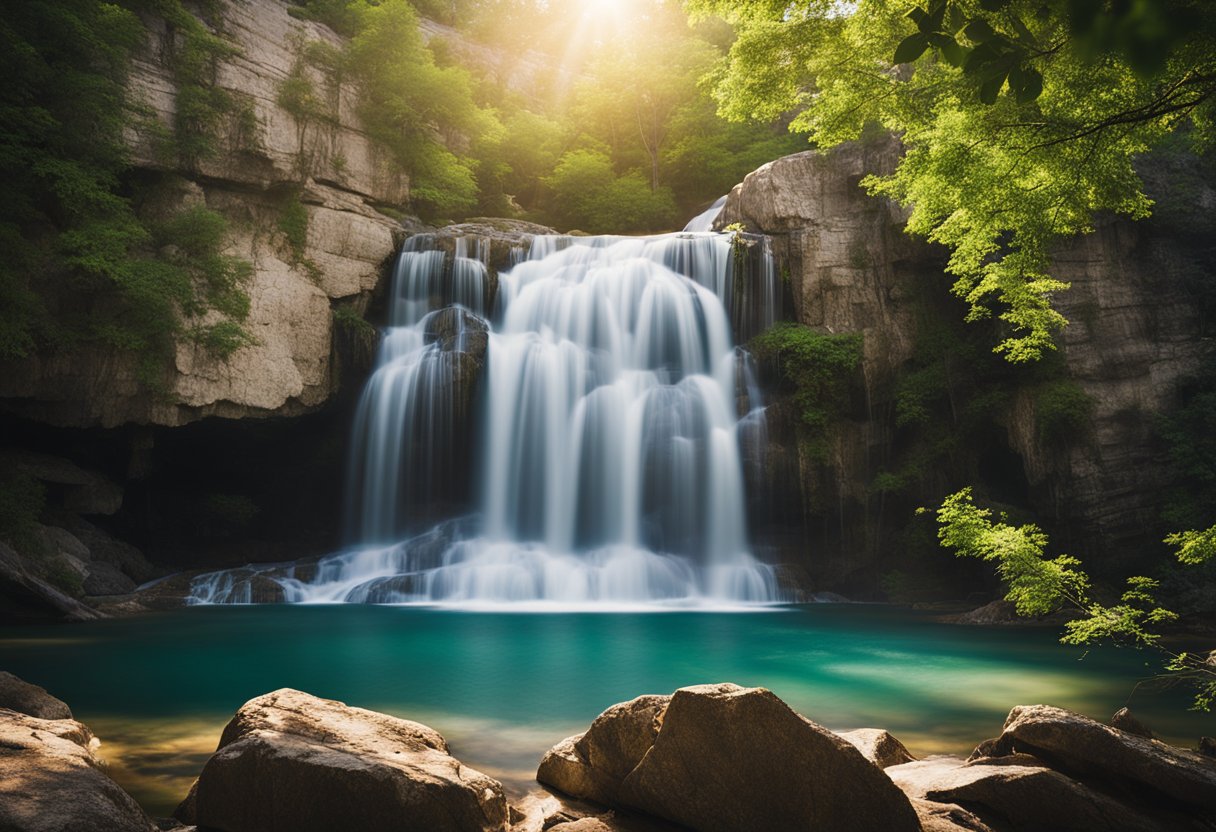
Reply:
x=704, y=221
x=603, y=431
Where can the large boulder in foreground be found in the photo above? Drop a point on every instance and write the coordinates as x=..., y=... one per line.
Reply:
x=1088, y=750
x=721, y=758
x=51, y=782
x=292, y=761
x=20, y=696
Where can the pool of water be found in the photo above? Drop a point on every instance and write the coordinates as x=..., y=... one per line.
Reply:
x=504, y=687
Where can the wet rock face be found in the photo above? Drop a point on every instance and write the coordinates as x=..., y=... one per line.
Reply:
x=288, y=760
x=722, y=758
x=50, y=781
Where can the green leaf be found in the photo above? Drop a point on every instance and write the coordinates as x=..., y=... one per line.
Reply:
x=990, y=89
x=979, y=31
x=911, y=48
x=993, y=5
x=1031, y=86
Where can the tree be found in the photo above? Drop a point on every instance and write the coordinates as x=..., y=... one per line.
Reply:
x=587, y=194
x=1020, y=120
x=418, y=110
x=1038, y=586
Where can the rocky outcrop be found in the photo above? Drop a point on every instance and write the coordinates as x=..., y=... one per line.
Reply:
x=27, y=594
x=31, y=700
x=593, y=765
x=1136, y=334
x=1019, y=793
x=288, y=760
x=878, y=746
x=1052, y=769
x=266, y=160
x=50, y=780
x=722, y=757
x=1086, y=748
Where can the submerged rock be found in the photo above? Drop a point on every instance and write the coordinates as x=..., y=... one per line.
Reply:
x=289, y=760
x=31, y=700
x=50, y=781
x=722, y=758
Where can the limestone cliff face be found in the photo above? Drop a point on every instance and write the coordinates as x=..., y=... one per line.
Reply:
x=265, y=158
x=1135, y=335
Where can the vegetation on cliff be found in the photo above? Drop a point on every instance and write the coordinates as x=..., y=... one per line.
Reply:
x=90, y=256
x=1021, y=120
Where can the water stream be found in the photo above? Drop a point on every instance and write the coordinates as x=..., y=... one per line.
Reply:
x=589, y=405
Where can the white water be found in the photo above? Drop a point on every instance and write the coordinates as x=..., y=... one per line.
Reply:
x=704, y=221
x=610, y=472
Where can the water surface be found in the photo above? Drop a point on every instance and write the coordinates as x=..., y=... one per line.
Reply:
x=504, y=687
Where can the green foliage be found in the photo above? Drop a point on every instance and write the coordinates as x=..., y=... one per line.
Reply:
x=820, y=369
x=997, y=178
x=22, y=499
x=349, y=319
x=1063, y=412
x=1038, y=586
x=410, y=105
x=1194, y=547
x=586, y=194
x=82, y=264
x=293, y=222
x=222, y=339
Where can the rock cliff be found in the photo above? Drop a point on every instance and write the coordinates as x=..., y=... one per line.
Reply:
x=266, y=161
x=1136, y=334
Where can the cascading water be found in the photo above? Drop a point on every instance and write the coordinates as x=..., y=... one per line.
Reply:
x=612, y=408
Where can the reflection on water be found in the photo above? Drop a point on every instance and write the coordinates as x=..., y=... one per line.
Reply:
x=504, y=688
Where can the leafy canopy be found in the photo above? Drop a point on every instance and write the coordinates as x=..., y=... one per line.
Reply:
x=1021, y=120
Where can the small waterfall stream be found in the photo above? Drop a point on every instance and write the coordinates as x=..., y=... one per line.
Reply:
x=602, y=436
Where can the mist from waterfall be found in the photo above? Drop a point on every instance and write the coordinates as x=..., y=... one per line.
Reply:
x=603, y=437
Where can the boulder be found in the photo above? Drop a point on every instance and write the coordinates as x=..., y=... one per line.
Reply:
x=593, y=765
x=106, y=579
x=1207, y=746
x=105, y=549
x=722, y=758
x=878, y=746
x=50, y=781
x=1020, y=794
x=31, y=700
x=288, y=760
x=26, y=595
x=1089, y=750
x=947, y=817
x=1124, y=721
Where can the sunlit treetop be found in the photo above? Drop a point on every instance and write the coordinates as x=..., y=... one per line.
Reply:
x=1021, y=119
